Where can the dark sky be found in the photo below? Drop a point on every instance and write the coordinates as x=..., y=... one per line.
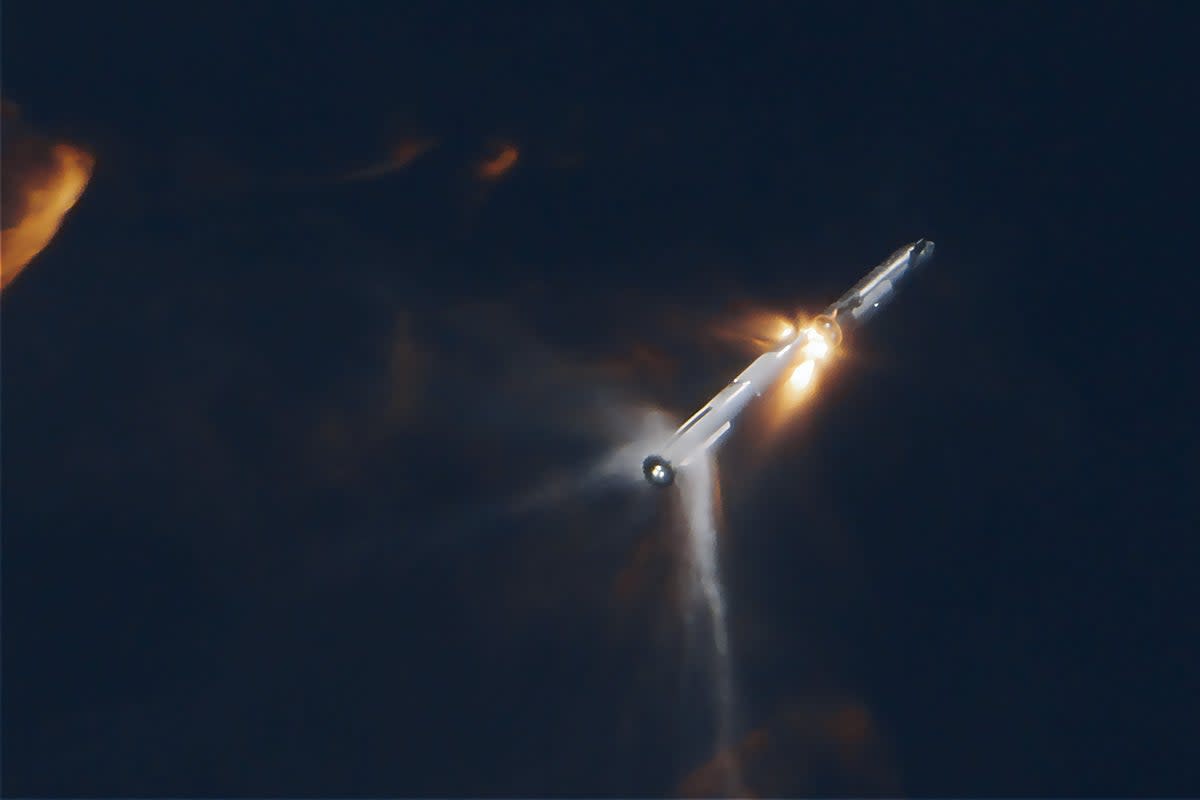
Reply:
x=263, y=415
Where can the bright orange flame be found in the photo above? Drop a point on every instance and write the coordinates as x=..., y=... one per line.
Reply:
x=754, y=329
x=816, y=346
x=803, y=375
x=816, y=353
x=45, y=205
x=498, y=165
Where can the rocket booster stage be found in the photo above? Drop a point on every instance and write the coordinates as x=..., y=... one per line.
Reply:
x=706, y=427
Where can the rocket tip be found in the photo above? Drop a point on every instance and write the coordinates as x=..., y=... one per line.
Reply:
x=923, y=249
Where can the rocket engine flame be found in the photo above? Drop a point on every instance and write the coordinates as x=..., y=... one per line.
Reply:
x=817, y=347
x=802, y=376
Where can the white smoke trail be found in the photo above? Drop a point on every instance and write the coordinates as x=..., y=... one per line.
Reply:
x=706, y=598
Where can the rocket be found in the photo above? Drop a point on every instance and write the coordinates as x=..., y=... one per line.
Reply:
x=704, y=430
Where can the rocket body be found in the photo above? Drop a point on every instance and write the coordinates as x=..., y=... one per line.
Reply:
x=705, y=429
x=870, y=294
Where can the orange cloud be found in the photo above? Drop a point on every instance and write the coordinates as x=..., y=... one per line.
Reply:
x=42, y=180
x=403, y=154
x=498, y=165
x=827, y=747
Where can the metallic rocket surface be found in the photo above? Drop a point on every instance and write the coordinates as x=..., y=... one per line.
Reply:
x=705, y=429
x=871, y=293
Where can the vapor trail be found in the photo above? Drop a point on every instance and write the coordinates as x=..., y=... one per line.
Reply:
x=619, y=466
x=699, y=501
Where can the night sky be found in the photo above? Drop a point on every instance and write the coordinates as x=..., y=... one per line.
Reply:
x=348, y=289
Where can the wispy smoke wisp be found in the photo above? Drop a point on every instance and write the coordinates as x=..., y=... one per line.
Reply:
x=399, y=158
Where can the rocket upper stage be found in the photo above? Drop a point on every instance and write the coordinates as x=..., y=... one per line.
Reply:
x=704, y=429
x=872, y=292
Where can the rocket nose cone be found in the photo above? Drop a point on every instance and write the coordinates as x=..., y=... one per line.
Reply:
x=922, y=251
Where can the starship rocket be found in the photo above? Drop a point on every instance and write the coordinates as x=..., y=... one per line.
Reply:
x=704, y=430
